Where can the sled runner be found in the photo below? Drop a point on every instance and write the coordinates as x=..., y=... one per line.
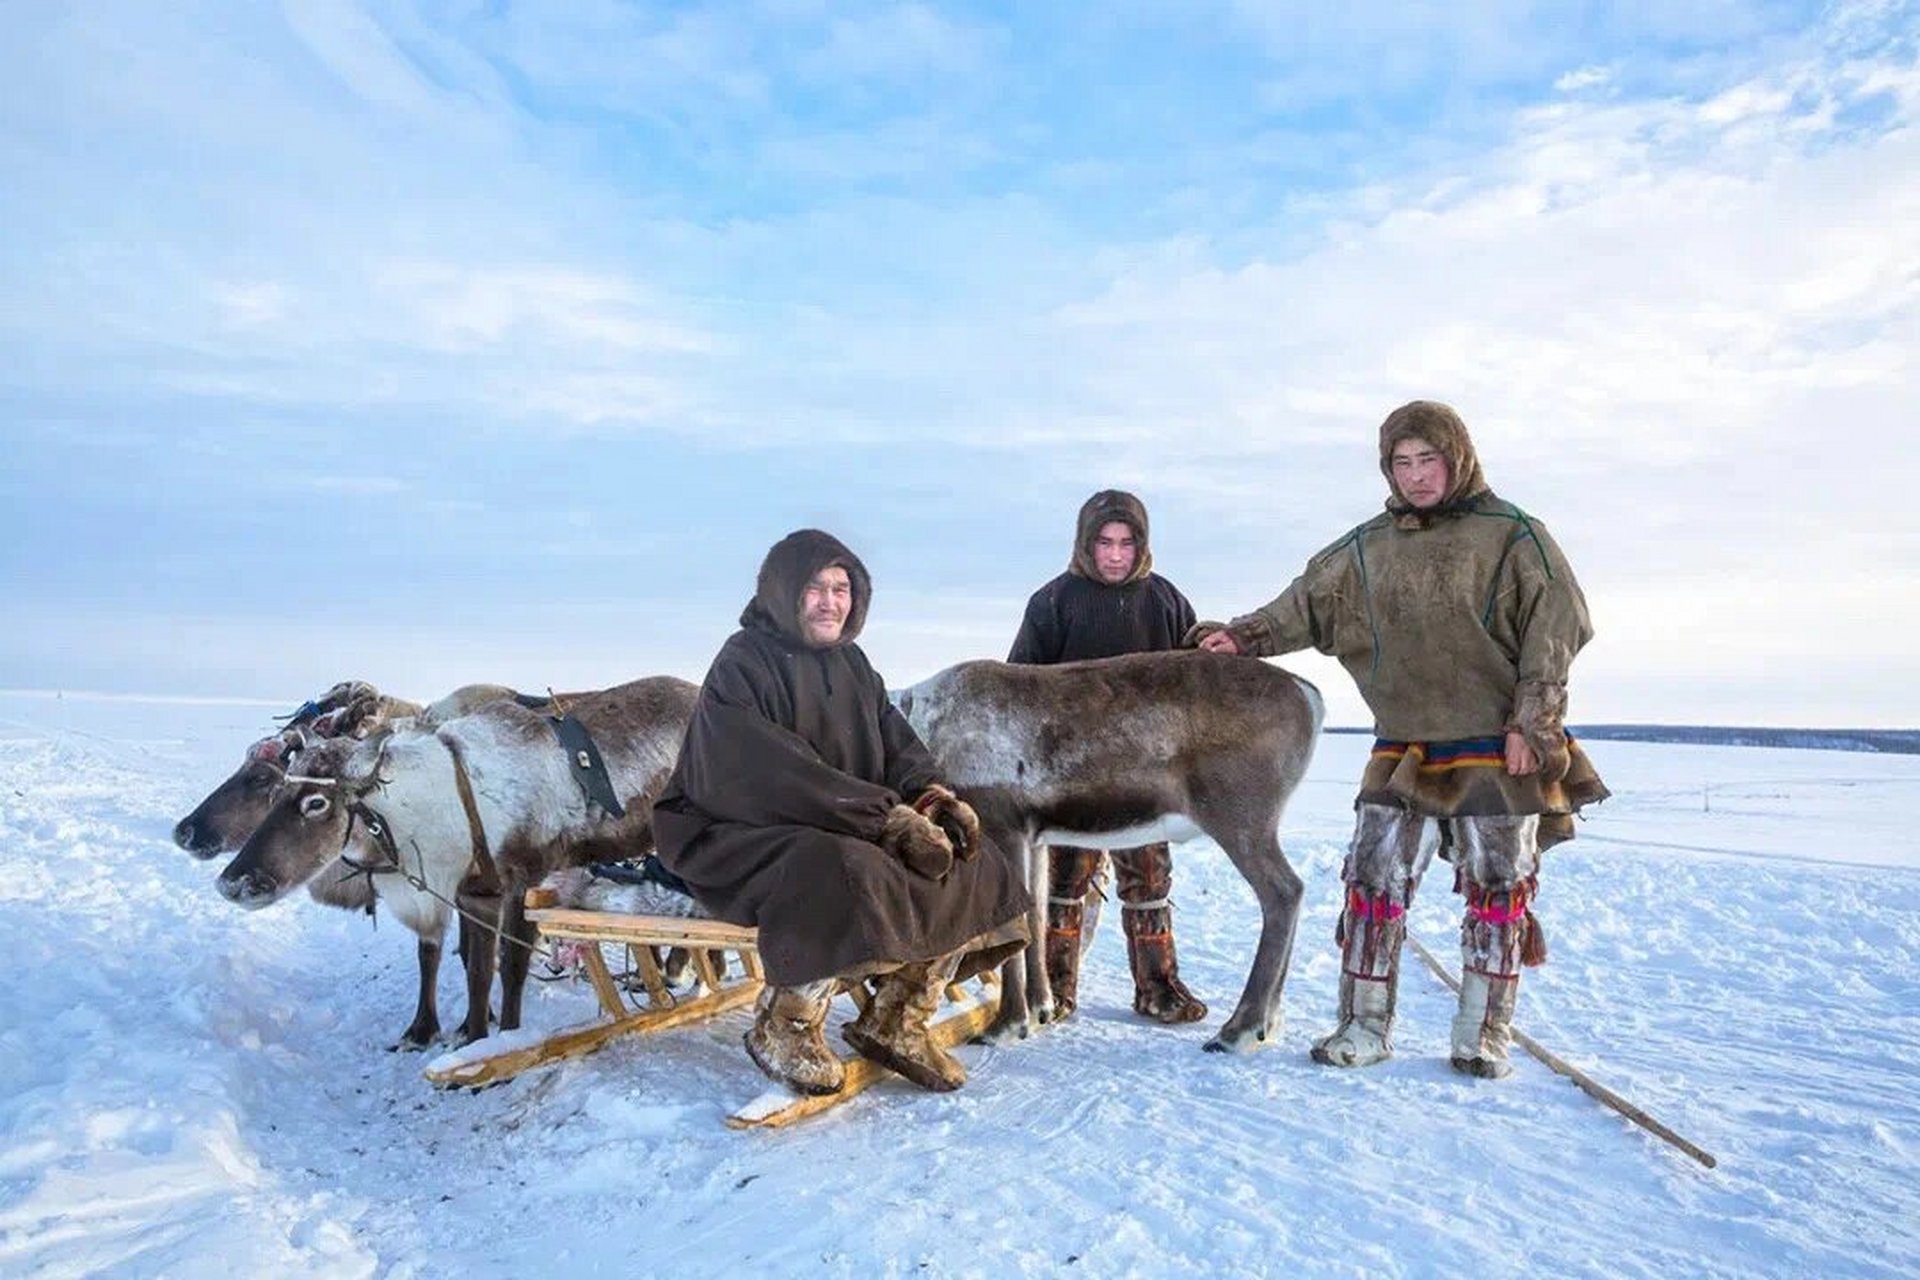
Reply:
x=727, y=960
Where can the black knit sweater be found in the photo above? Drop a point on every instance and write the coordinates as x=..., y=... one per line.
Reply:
x=1074, y=617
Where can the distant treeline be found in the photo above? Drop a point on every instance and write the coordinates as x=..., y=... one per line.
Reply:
x=1890, y=741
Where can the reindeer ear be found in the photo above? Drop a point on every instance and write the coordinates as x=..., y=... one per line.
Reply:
x=366, y=764
x=338, y=696
x=268, y=749
x=359, y=717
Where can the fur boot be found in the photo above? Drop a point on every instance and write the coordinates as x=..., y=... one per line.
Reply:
x=1372, y=928
x=1072, y=874
x=1145, y=878
x=1497, y=936
x=892, y=1029
x=1483, y=1028
x=1365, y=1033
x=788, y=1041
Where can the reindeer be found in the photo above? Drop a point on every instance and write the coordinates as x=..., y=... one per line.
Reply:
x=419, y=807
x=222, y=822
x=1120, y=752
x=350, y=711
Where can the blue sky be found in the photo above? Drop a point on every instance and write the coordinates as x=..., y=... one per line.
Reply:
x=448, y=342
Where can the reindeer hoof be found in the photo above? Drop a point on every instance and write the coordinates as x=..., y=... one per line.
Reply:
x=1231, y=1040
x=414, y=1039
x=1007, y=1033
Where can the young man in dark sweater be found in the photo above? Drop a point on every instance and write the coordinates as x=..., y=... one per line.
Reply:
x=1110, y=602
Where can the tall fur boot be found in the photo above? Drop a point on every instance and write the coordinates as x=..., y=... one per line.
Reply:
x=1145, y=878
x=1365, y=1033
x=1072, y=875
x=1372, y=927
x=1483, y=1028
x=892, y=1029
x=1494, y=935
x=788, y=1039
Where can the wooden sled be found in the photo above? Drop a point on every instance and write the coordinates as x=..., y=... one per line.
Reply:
x=724, y=985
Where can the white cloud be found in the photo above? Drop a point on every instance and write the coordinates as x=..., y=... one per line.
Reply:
x=1583, y=78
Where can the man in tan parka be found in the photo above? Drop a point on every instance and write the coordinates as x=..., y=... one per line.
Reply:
x=1458, y=617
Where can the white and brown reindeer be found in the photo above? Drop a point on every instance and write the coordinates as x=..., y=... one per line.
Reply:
x=222, y=821
x=346, y=714
x=1120, y=752
x=424, y=804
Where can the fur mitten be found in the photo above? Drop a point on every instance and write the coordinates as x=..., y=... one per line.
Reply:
x=1200, y=631
x=953, y=816
x=1539, y=716
x=1249, y=632
x=923, y=847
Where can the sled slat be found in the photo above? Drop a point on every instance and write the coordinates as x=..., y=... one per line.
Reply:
x=603, y=985
x=645, y=959
x=669, y=931
x=575, y=1042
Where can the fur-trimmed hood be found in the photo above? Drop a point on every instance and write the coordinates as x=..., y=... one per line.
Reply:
x=1438, y=425
x=1099, y=511
x=784, y=574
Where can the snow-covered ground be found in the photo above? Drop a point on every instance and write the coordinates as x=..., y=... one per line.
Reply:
x=186, y=1089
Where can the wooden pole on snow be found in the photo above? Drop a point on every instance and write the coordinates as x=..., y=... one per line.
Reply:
x=1593, y=1088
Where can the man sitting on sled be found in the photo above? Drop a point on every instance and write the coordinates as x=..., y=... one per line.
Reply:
x=805, y=806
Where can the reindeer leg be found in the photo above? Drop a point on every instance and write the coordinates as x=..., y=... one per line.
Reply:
x=1023, y=977
x=1039, y=984
x=1278, y=888
x=426, y=1013
x=517, y=936
x=1010, y=1022
x=477, y=957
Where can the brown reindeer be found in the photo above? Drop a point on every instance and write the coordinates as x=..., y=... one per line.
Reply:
x=222, y=822
x=349, y=712
x=1120, y=752
x=421, y=806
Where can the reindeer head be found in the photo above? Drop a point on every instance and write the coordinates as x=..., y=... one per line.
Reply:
x=222, y=822
x=308, y=823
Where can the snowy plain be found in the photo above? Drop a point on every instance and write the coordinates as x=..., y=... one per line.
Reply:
x=188, y=1090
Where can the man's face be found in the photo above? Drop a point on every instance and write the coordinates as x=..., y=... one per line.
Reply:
x=1115, y=552
x=1420, y=472
x=824, y=604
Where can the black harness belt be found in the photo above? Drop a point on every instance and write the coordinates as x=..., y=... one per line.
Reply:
x=583, y=757
x=584, y=762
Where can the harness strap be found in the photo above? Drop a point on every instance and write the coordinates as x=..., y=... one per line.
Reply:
x=476, y=830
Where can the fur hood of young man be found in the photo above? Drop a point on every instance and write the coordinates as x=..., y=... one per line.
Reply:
x=1102, y=509
x=789, y=566
x=1438, y=425
x=1078, y=616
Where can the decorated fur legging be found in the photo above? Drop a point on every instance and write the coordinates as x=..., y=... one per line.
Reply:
x=1495, y=861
